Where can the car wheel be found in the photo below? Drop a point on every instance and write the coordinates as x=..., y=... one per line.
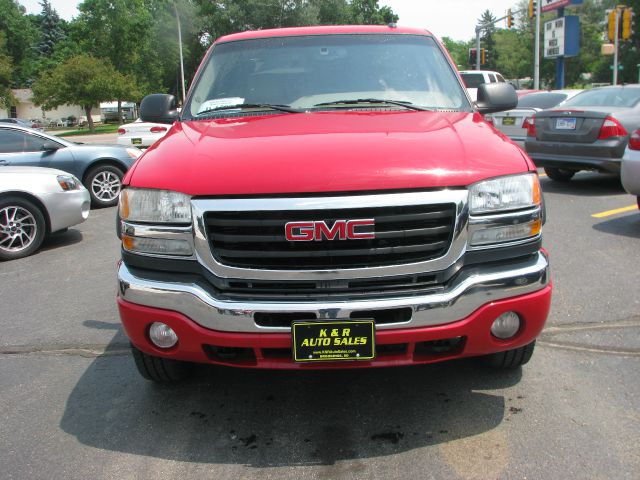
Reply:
x=104, y=183
x=22, y=228
x=158, y=369
x=510, y=359
x=559, y=174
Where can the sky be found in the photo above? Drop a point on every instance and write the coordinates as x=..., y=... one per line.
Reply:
x=444, y=18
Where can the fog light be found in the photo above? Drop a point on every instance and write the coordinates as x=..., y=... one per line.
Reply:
x=162, y=335
x=506, y=325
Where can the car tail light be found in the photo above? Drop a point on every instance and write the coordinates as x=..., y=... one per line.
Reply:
x=611, y=128
x=121, y=131
x=529, y=125
x=158, y=129
x=634, y=140
x=34, y=125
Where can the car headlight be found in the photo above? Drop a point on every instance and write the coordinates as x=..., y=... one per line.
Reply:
x=68, y=182
x=504, y=193
x=154, y=206
x=505, y=210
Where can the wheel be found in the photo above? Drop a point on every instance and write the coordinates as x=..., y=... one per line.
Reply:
x=158, y=369
x=22, y=228
x=510, y=359
x=559, y=174
x=104, y=183
x=638, y=200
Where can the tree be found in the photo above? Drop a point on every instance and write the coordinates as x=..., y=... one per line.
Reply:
x=487, y=21
x=368, y=12
x=6, y=72
x=51, y=31
x=20, y=35
x=81, y=80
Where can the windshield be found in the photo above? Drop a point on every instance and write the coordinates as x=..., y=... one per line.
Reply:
x=606, y=97
x=304, y=71
x=541, y=100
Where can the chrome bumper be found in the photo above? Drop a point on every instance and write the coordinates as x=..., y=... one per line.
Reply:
x=471, y=288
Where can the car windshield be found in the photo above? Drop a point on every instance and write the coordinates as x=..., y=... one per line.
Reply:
x=541, y=100
x=303, y=72
x=472, y=80
x=606, y=97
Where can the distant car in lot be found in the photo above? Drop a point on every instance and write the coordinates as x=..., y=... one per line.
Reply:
x=23, y=123
x=141, y=134
x=512, y=122
x=35, y=202
x=99, y=167
x=587, y=132
x=474, y=78
x=630, y=173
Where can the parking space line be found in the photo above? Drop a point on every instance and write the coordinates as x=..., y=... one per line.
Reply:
x=615, y=211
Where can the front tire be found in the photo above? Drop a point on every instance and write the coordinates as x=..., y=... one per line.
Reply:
x=158, y=369
x=104, y=183
x=559, y=174
x=22, y=228
x=510, y=359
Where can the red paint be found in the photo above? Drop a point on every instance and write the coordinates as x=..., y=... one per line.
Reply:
x=533, y=308
x=327, y=152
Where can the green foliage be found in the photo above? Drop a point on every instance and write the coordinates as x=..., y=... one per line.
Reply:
x=51, y=31
x=459, y=51
x=6, y=72
x=20, y=35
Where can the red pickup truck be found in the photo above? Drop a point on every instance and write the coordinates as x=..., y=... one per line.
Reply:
x=330, y=197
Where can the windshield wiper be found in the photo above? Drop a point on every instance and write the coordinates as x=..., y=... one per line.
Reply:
x=242, y=106
x=380, y=101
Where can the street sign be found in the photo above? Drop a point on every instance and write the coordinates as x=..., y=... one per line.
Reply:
x=548, y=5
x=562, y=37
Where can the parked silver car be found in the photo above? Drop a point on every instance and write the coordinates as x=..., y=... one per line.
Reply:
x=630, y=174
x=99, y=167
x=35, y=202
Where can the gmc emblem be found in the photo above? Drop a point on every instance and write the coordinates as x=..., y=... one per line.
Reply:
x=319, y=230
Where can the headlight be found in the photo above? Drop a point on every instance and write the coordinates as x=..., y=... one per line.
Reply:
x=504, y=193
x=68, y=182
x=154, y=206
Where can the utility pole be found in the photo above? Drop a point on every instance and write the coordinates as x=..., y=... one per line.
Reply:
x=181, y=58
x=478, y=30
x=536, y=50
x=615, y=51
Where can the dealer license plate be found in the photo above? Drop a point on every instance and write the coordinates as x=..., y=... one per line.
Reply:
x=509, y=121
x=565, y=124
x=136, y=141
x=333, y=341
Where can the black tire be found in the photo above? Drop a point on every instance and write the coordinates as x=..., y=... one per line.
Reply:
x=510, y=359
x=158, y=369
x=29, y=221
x=559, y=174
x=104, y=183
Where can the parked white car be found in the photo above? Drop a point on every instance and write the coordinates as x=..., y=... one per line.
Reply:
x=474, y=78
x=630, y=173
x=141, y=134
x=35, y=202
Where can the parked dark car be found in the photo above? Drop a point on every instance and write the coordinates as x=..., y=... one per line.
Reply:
x=589, y=132
x=99, y=167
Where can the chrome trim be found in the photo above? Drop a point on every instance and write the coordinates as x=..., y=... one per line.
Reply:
x=169, y=232
x=456, y=249
x=471, y=288
x=502, y=220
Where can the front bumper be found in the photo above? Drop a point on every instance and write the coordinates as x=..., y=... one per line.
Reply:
x=465, y=308
x=66, y=209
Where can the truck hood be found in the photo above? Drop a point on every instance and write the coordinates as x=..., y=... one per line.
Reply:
x=327, y=152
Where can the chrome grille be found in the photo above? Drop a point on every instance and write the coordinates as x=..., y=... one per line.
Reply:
x=403, y=234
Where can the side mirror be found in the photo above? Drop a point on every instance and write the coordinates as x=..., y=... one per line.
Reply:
x=496, y=97
x=50, y=147
x=159, y=108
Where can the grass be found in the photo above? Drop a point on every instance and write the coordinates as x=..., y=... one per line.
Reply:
x=110, y=128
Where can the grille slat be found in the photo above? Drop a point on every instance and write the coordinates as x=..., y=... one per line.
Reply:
x=256, y=239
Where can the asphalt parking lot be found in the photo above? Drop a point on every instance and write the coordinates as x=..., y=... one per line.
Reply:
x=73, y=406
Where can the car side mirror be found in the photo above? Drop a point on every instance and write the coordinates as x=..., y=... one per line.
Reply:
x=496, y=97
x=159, y=108
x=50, y=147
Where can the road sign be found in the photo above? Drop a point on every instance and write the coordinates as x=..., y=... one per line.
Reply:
x=548, y=5
x=562, y=37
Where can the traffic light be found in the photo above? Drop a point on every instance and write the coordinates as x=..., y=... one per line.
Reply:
x=509, y=19
x=472, y=56
x=532, y=8
x=627, y=23
x=611, y=24
x=484, y=55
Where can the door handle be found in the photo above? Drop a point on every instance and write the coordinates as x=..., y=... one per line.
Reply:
x=4, y=162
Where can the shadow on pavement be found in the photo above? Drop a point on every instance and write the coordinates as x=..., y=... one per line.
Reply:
x=585, y=184
x=62, y=239
x=625, y=225
x=281, y=418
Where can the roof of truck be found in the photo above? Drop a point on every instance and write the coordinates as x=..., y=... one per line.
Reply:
x=322, y=30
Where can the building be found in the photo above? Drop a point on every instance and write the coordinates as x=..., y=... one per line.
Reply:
x=27, y=110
